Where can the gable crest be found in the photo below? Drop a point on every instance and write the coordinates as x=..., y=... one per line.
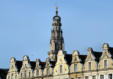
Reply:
x=75, y=53
x=12, y=60
x=37, y=63
x=90, y=55
x=47, y=62
x=25, y=58
x=75, y=56
x=60, y=53
x=105, y=47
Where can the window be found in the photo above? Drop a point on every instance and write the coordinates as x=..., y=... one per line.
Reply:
x=60, y=68
x=79, y=78
x=37, y=72
x=75, y=67
x=8, y=77
x=110, y=76
x=89, y=65
x=25, y=74
x=15, y=76
x=47, y=71
x=101, y=76
x=86, y=77
x=93, y=77
x=105, y=63
x=12, y=76
x=21, y=75
x=29, y=73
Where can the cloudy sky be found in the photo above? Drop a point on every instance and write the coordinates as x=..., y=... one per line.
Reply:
x=25, y=26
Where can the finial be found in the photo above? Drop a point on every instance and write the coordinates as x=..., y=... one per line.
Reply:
x=56, y=10
x=56, y=7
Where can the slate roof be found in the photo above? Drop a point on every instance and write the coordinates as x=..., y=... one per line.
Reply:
x=3, y=73
x=52, y=63
x=111, y=51
x=33, y=64
x=97, y=55
x=82, y=57
x=42, y=64
x=68, y=58
x=19, y=65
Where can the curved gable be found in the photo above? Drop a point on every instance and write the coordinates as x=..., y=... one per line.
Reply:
x=61, y=66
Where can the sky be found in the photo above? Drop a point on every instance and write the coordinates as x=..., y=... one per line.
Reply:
x=25, y=27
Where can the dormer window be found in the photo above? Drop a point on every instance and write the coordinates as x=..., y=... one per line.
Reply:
x=21, y=75
x=29, y=74
x=105, y=64
x=37, y=72
x=75, y=67
x=60, y=68
x=47, y=71
x=89, y=65
x=12, y=76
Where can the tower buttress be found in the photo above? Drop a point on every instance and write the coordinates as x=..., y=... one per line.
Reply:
x=57, y=41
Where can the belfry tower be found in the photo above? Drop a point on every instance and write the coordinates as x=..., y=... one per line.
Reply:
x=57, y=41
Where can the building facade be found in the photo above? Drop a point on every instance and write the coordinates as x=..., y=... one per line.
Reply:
x=61, y=65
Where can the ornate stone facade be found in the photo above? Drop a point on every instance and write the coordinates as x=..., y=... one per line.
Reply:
x=61, y=65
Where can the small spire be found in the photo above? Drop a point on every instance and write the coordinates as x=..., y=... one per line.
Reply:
x=56, y=10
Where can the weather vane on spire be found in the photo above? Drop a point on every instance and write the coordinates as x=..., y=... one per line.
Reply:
x=56, y=10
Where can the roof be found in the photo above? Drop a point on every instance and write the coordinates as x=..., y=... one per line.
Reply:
x=42, y=64
x=68, y=58
x=52, y=63
x=111, y=51
x=82, y=57
x=97, y=55
x=19, y=65
x=33, y=64
x=3, y=73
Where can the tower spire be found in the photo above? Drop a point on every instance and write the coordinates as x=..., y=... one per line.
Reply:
x=57, y=41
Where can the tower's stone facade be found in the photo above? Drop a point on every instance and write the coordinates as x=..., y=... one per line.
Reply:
x=57, y=40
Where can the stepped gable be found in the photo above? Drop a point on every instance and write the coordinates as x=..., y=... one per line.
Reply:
x=97, y=55
x=19, y=65
x=68, y=58
x=3, y=73
x=82, y=57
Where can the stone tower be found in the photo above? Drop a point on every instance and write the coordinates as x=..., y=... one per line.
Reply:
x=57, y=41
